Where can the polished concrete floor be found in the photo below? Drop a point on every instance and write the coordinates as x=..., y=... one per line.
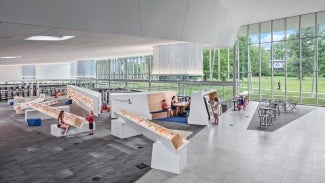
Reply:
x=230, y=153
x=29, y=154
x=224, y=153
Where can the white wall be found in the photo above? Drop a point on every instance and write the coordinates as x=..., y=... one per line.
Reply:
x=10, y=73
x=53, y=71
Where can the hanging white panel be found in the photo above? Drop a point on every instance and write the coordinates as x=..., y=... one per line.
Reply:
x=180, y=59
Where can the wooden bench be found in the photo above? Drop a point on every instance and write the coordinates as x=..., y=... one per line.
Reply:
x=159, y=114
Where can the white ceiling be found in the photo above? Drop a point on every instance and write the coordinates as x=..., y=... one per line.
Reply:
x=113, y=28
x=85, y=46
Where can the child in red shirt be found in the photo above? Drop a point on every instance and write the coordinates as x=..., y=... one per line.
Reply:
x=90, y=119
x=164, y=106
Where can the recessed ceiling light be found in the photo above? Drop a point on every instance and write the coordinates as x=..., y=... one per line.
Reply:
x=49, y=38
x=10, y=57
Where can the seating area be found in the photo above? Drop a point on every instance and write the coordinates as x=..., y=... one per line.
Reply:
x=270, y=110
x=159, y=114
x=55, y=131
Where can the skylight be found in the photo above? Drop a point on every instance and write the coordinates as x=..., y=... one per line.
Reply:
x=8, y=57
x=49, y=38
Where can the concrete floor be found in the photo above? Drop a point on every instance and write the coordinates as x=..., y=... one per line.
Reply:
x=224, y=153
x=230, y=153
x=29, y=154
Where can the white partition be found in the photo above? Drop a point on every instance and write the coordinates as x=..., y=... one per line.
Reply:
x=87, y=99
x=120, y=129
x=32, y=113
x=136, y=103
x=201, y=112
x=169, y=150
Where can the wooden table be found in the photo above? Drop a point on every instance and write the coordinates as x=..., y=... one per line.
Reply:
x=181, y=107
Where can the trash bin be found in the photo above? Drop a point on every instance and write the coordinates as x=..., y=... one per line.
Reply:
x=224, y=108
x=34, y=122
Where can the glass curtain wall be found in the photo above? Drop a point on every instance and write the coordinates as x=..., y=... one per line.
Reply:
x=320, y=55
x=217, y=64
x=283, y=59
x=133, y=73
x=217, y=67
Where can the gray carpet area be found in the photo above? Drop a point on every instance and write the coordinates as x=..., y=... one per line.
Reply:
x=31, y=154
x=282, y=120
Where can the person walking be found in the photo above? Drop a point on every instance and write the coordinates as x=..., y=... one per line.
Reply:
x=279, y=86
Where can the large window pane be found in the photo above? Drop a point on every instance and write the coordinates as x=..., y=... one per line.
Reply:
x=255, y=69
x=321, y=23
x=253, y=34
x=265, y=71
x=278, y=30
x=321, y=68
x=279, y=84
x=266, y=32
x=308, y=25
x=293, y=27
x=293, y=85
x=308, y=80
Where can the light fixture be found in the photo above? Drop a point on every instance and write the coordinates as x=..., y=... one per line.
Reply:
x=7, y=57
x=49, y=38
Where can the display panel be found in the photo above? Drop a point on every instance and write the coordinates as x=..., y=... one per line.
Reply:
x=174, y=137
x=85, y=98
x=208, y=106
x=69, y=118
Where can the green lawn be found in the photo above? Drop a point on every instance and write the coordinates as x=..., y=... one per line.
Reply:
x=225, y=92
x=293, y=88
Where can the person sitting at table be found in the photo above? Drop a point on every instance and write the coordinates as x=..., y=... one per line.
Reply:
x=240, y=103
x=173, y=105
x=165, y=107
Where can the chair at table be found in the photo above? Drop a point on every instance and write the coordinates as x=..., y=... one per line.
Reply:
x=282, y=106
x=265, y=116
x=292, y=106
x=275, y=112
x=261, y=116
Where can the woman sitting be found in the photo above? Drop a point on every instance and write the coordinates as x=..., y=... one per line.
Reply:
x=61, y=124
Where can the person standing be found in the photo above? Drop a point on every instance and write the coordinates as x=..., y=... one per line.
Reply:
x=90, y=118
x=279, y=86
x=215, y=111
